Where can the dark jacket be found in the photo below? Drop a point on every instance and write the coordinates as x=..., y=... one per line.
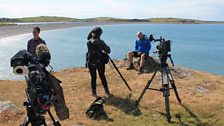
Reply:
x=32, y=44
x=95, y=48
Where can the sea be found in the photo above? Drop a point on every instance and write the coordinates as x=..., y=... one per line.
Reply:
x=195, y=46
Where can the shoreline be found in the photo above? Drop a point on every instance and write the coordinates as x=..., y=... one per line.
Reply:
x=9, y=31
x=13, y=30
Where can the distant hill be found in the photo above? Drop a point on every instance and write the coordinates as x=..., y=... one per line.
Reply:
x=47, y=19
x=104, y=19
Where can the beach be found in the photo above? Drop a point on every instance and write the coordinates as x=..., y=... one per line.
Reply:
x=7, y=31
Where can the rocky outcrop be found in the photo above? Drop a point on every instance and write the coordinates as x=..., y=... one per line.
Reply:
x=8, y=111
x=152, y=64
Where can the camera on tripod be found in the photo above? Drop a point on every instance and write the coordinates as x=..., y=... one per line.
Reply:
x=164, y=46
x=38, y=93
x=40, y=96
x=166, y=76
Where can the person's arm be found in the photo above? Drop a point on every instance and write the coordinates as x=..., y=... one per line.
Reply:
x=136, y=45
x=105, y=47
x=44, y=42
x=28, y=46
x=148, y=45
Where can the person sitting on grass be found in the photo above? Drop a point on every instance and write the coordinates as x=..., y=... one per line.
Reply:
x=142, y=47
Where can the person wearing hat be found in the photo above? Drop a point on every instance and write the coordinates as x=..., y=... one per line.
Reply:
x=95, y=61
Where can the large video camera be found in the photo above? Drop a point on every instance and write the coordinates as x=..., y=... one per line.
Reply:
x=163, y=48
x=40, y=95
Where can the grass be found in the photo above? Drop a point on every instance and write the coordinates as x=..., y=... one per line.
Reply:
x=197, y=109
x=6, y=24
x=47, y=19
x=104, y=19
x=174, y=20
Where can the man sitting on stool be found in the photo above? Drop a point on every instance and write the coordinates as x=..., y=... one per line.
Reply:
x=142, y=47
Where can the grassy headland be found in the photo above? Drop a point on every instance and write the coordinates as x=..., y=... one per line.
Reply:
x=201, y=94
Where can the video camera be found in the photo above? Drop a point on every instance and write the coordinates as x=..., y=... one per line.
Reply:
x=164, y=46
x=38, y=93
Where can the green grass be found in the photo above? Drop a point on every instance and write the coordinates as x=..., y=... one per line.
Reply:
x=102, y=19
x=173, y=20
x=47, y=19
x=6, y=24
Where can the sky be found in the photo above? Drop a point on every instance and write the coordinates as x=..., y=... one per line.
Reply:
x=211, y=10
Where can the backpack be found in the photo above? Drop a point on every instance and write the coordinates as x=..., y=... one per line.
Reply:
x=105, y=58
x=96, y=110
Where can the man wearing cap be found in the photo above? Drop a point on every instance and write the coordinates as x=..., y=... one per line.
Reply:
x=142, y=47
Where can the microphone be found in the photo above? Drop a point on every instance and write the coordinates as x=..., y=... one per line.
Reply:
x=43, y=54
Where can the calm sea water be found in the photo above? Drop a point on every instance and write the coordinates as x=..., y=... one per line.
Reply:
x=197, y=46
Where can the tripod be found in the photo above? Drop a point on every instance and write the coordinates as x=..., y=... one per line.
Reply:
x=167, y=79
x=36, y=119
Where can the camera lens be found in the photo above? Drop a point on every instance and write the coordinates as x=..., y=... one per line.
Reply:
x=19, y=71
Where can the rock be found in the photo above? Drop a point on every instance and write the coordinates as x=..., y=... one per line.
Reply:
x=8, y=111
x=201, y=89
x=181, y=72
x=150, y=65
x=8, y=106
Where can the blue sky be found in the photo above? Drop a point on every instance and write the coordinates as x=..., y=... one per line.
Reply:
x=194, y=9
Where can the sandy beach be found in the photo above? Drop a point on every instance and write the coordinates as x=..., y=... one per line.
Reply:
x=7, y=31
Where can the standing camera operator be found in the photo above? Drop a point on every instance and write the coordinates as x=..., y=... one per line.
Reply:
x=96, y=60
x=54, y=83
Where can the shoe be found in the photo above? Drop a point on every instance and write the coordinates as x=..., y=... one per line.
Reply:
x=94, y=94
x=130, y=67
x=140, y=70
x=108, y=93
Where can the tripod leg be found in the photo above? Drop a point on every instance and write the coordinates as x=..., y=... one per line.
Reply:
x=55, y=123
x=166, y=91
x=171, y=79
x=38, y=121
x=26, y=122
x=167, y=106
x=120, y=73
x=146, y=87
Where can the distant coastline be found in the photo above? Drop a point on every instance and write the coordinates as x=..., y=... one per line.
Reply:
x=12, y=30
x=16, y=26
x=13, y=21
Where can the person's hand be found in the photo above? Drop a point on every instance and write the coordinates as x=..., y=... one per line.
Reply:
x=104, y=52
x=34, y=60
x=139, y=53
